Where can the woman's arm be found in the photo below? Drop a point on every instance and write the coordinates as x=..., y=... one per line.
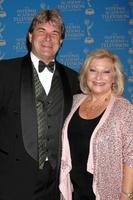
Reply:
x=127, y=183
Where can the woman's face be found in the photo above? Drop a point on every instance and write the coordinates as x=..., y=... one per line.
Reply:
x=100, y=76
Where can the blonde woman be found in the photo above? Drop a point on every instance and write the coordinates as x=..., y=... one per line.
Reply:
x=97, y=152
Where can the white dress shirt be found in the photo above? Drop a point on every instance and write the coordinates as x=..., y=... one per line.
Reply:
x=45, y=76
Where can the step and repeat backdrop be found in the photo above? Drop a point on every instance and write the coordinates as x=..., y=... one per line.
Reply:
x=90, y=24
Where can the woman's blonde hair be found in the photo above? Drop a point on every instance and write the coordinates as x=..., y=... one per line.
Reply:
x=118, y=85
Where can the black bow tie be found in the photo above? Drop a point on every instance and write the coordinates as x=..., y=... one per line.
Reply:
x=49, y=66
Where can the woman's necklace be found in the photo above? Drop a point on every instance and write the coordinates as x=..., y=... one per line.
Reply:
x=92, y=108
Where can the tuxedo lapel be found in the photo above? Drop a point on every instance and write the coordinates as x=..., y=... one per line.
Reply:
x=66, y=89
x=28, y=111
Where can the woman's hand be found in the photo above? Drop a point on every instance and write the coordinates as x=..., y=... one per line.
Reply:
x=127, y=183
x=124, y=197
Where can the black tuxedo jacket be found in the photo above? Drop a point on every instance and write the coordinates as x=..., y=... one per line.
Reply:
x=17, y=120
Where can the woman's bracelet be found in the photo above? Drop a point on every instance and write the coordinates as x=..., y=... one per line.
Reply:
x=128, y=194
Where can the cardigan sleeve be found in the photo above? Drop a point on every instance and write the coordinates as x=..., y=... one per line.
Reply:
x=127, y=134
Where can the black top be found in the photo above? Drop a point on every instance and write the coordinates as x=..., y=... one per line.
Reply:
x=79, y=134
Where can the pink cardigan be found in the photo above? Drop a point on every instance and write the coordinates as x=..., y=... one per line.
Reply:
x=111, y=145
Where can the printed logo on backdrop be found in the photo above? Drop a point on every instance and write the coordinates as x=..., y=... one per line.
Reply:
x=88, y=24
x=2, y=28
x=115, y=13
x=130, y=2
x=130, y=51
x=23, y=16
x=130, y=60
x=71, y=59
x=115, y=41
x=130, y=78
x=43, y=6
x=71, y=5
x=20, y=45
x=2, y=41
x=130, y=32
x=118, y=39
x=2, y=12
x=74, y=32
x=89, y=11
x=1, y=55
x=131, y=21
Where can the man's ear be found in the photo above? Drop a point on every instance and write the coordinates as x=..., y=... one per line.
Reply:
x=61, y=42
x=30, y=37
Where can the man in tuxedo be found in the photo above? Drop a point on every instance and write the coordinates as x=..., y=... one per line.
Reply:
x=35, y=98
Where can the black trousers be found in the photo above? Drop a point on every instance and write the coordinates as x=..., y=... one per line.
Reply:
x=46, y=187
